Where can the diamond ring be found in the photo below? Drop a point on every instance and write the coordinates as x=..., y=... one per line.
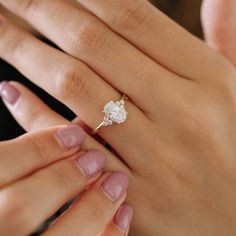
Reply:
x=114, y=113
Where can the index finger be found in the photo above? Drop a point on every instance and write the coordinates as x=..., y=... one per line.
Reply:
x=22, y=156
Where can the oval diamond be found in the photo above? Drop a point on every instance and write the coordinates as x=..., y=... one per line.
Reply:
x=108, y=109
x=116, y=111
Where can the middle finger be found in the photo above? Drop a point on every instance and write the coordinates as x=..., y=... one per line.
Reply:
x=84, y=36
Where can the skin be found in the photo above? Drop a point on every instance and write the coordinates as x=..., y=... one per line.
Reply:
x=220, y=30
x=44, y=177
x=178, y=144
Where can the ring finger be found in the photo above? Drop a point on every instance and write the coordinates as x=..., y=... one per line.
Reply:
x=72, y=82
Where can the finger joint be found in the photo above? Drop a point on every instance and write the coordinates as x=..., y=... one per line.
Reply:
x=70, y=83
x=132, y=16
x=89, y=38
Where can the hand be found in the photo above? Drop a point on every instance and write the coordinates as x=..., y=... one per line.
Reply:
x=219, y=22
x=178, y=142
x=36, y=179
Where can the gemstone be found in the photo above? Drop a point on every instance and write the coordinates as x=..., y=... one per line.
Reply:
x=116, y=112
x=108, y=109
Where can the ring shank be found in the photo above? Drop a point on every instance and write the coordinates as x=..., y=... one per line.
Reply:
x=95, y=131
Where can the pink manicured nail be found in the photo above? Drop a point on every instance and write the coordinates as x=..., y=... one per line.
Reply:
x=123, y=217
x=115, y=185
x=91, y=163
x=9, y=93
x=70, y=137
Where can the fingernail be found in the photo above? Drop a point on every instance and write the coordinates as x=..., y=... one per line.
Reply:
x=115, y=185
x=70, y=137
x=123, y=217
x=91, y=163
x=9, y=93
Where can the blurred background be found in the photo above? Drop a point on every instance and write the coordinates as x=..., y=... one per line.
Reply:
x=185, y=12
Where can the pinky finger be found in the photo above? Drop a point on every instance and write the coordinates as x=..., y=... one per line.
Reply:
x=121, y=222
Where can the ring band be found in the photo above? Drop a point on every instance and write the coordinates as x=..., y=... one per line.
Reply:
x=114, y=113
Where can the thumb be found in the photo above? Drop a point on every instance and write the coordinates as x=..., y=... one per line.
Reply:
x=219, y=26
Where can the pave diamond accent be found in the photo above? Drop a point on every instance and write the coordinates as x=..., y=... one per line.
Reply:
x=114, y=113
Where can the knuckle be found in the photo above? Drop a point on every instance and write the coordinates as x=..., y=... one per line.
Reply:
x=27, y=5
x=89, y=37
x=70, y=83
x=16, y=45
x=41, y=152
x=132, y=15
x=200, y=126
x=186, y=122
x=32, y=117
x=14, y=205
x=64, y=177
x=99, y=211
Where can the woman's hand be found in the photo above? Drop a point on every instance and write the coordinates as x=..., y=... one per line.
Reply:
x=36, y=179
x=178, y=143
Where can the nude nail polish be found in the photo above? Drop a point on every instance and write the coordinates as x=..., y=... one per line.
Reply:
x=91, y=163
x=115, y=185
x=9, y=93
x=123, y=217
x=70, y=137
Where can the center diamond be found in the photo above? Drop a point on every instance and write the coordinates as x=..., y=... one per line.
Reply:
x=115, y=111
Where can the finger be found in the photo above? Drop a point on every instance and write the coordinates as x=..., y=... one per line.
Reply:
x=30, y=111
x=94, y=209
x=158, y=36
x=79, y=122
x=75, y=84
x=219, y=23
x=33, y=115
x=33, y=151
x=44, y=192
x=85, y=37
x=121, y=223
